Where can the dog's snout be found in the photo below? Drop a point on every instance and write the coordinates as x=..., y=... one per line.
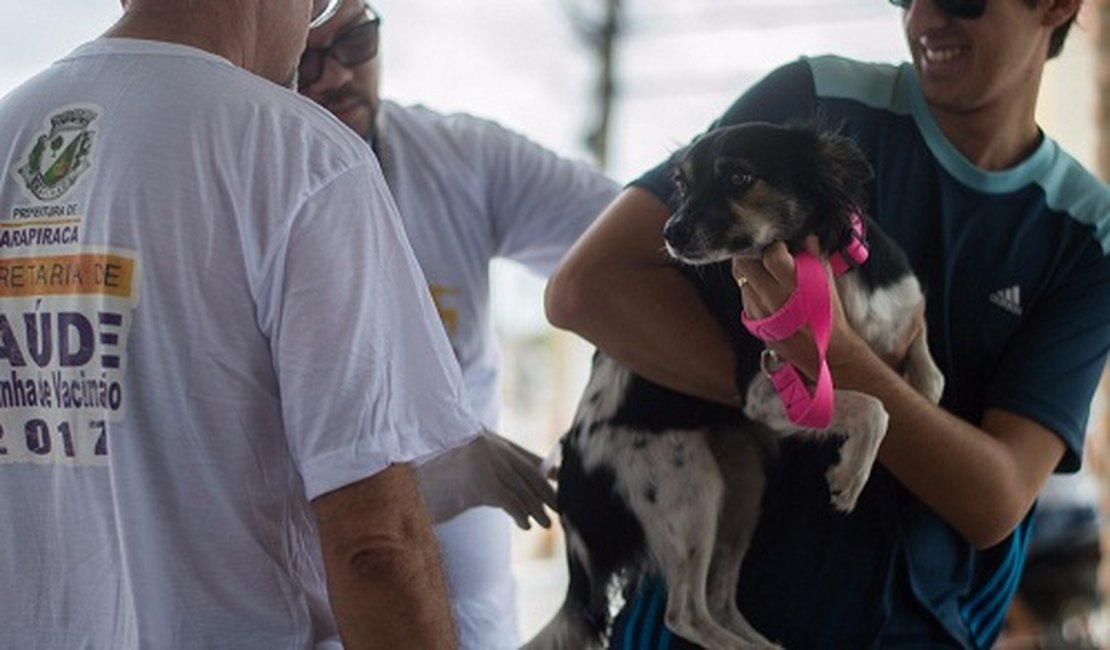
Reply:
x=677, y=233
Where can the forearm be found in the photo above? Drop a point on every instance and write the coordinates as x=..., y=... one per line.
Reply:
x=618, y=290
x=980, y=479
x=384, y=577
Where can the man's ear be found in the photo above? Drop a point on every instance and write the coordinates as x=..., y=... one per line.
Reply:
x=1058, y=12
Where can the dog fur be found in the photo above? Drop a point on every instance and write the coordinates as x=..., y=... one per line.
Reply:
x=641, y=491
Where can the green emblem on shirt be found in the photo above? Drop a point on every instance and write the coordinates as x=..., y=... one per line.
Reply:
x=60, y=156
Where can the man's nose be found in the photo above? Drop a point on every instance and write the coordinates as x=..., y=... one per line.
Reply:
x=333, y=75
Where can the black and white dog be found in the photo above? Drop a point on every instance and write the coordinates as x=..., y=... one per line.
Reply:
x=652, y=482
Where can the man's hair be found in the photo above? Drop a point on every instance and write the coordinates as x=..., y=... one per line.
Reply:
x=1060, y=34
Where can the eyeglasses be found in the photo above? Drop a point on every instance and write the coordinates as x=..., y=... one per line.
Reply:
x=954, y=8
x=354, y=46
x=321, y=13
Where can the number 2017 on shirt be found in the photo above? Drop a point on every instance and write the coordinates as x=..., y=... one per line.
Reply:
x=59, y=443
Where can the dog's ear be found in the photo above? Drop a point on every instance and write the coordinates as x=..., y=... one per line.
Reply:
x=843, y=173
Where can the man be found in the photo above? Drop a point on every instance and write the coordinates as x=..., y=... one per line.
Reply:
x=467, y=191
x=1009, y=237
x=219, y=356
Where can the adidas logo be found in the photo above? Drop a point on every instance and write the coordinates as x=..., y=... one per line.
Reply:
x=1008, y=299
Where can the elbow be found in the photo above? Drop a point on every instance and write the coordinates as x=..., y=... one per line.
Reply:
x=378, y=559
x=983, y=537
x=994, y=522
x=394, y=561
x=564, y=299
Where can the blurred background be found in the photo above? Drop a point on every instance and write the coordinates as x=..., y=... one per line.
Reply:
x=621, y=83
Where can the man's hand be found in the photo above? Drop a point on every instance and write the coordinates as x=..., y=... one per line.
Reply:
x=767, y=283
x=488, y=471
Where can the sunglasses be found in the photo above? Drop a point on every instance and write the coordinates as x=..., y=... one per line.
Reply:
x=322, y=10
x=954, y=8
x=353, y=46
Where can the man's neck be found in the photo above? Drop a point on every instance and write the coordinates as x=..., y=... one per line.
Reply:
x=990, y=142
x=171, y=26
x=998, y=134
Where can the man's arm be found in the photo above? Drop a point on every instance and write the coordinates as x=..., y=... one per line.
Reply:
x=618, y=289
x=384, y=577
x=981, y=479
x=538, y=202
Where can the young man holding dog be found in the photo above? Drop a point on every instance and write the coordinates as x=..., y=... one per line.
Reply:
x=468, y=191
x=1009, y=236
x=219, y=355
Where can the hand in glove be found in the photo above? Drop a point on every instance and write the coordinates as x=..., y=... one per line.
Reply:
x=487, y=471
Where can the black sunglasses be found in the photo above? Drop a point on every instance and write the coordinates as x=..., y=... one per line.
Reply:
x=954, y=8
x=353, y=46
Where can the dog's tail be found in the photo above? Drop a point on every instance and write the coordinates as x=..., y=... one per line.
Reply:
x=583, y=619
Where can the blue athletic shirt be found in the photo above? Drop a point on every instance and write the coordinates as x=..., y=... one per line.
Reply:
x=1017, y=277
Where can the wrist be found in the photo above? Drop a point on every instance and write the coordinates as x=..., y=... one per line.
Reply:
x=851, y=361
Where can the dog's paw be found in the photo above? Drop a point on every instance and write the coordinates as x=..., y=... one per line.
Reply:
x=922, y=372
x=933, y=387
x=845, y=486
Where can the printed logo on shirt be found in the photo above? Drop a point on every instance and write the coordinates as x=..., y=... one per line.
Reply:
x=52, y=164
x=450, y=317
x=41, y=225
x=60, y=154
x=64, y=325
x=1008, y=299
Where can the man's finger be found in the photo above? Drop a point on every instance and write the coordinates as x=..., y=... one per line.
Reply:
x=536, y=483
x=780, y=265
x=528, y=486
x=743, y=271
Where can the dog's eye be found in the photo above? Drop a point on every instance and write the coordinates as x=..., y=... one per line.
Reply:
x=741, y=180
x=680, y=185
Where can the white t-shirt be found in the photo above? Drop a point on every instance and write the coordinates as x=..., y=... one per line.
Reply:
x=201, y=331
x=468, y=191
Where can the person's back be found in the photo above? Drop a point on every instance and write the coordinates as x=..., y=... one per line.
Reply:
x=178, y=378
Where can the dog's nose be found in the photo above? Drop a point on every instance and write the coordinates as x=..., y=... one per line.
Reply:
x=676, y=232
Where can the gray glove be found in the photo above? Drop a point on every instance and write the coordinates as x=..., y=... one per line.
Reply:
x=487, y=471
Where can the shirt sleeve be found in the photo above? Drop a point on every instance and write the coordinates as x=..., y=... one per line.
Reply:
x=539, y=202
x=366, y=373
x=1054, y=364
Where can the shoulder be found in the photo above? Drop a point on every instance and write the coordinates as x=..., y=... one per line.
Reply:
x=421, y=122
x=873, y=84
x=802, y=89
x=289, y=122
x=1070, y=189
x=233, y=104
x=476, y=148
x=283, y=139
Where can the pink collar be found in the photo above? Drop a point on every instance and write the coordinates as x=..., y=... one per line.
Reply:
x=855, y=252
x=808, y=305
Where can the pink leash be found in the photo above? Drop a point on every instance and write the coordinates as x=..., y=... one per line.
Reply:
x=808, y=305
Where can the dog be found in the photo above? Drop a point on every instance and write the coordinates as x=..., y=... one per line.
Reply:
x=641, y=491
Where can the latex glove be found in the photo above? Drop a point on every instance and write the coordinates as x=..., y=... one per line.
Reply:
x=488, y=471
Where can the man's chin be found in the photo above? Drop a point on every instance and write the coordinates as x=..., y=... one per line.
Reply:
x=359, y=118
